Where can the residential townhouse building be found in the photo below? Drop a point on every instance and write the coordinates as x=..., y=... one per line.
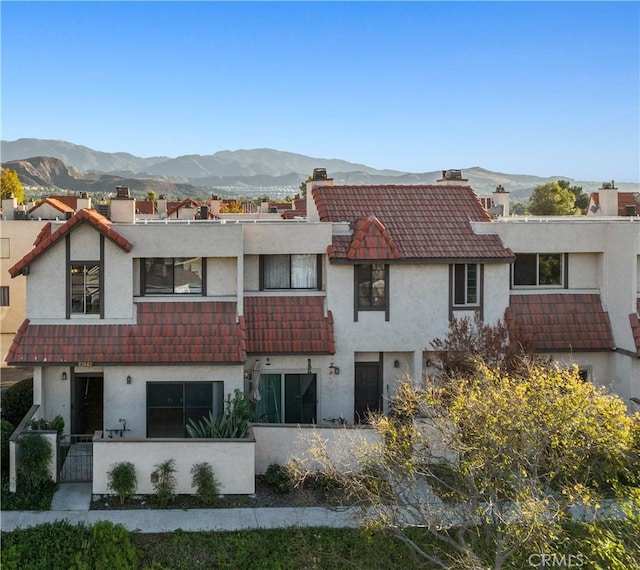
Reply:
x=136, y=325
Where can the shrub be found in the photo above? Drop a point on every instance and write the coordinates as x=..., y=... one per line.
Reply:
x=6, y=429
x=165, y=482
x=122, y=480
x=233, y=423
x=112, y=547
x=56, y=424
x=36, y=499
x=204, y=480
x=34, y=455
x=17, y=401
x=280, y=478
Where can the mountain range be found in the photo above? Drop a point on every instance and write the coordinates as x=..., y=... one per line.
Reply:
x=54, y=164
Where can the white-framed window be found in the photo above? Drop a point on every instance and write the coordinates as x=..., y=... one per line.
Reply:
x=466, y=285
x=290, y=271
x=173, y=275
x=538, y=270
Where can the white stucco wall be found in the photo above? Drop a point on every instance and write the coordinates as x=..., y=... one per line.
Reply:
x=232, y=461
x=286, y=237
x=221, y=276
x=281, y=444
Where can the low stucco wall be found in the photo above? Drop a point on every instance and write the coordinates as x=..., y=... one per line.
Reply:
x=232, y=461
x=281, y=443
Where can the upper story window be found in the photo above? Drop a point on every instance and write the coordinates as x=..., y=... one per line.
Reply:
x=371, y=288
x=538, y=270
x=466, y=285
x=86, y=288
x=173, y=276
x=295, y=271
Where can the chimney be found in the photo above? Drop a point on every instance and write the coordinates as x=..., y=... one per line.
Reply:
x=187, y=212
x=83, y=202
x=500, y=200
x=9, y=207
x=452, y=178
x=123, y=207
x=214, y=204
x=319, y=178
x=161, y=206
x=608, y=199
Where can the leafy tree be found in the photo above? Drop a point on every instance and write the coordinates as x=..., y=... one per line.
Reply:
x=152, y=196
x=581, y=198
x=553, y=199
x=490, y=464
x=303, y=186
x=10, y=184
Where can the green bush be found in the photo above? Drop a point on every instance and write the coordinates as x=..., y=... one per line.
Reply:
x=280, y=478
x=37, y=498
x=122, y=480
x=204, y=480
x=6, y=429
x=165, y=482
x=17, y=401
x=34, y=455
x=61, y=545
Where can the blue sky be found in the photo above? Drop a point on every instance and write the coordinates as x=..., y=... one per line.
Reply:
x=539, y=88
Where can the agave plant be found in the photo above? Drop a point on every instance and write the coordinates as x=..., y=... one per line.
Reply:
x=233, y=423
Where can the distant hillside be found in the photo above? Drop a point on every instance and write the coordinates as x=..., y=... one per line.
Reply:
x=52, y=173
x=231, y=172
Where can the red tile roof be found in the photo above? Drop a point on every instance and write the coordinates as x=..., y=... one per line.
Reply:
x=43, y=234
x=91, y=217
x=624, y=199
x=54, y=203
x=634, y=321
x=372, y=241
x=172, y=207
x=426, y=222
x=165, y=333
x=146, y=207
x=288, y=325
x=71, y=201
x=557, y=322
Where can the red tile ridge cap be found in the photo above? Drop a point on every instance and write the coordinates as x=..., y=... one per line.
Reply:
x=57, y=204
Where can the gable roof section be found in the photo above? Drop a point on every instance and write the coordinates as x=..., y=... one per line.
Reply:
x=54, y=203
x=166, y=333
x=43, y=234
x=91, y=217
x=557, y=322
x=372, y=241
x=634, y=321
x=288, y=325
x=424, y=222
x=172, y=207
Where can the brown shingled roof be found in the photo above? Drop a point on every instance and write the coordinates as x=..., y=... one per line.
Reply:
x=288, y=325
x=557, y=322
x=425, y=222
x=165, y=333
x=91, y=217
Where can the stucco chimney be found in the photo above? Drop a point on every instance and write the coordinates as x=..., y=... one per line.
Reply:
x=319, y=178
x=9, y=207
x=500, y=199
x=83, y=202
x=608, y=199
x=161, y=206
x=214, y=204
x=452, y=178
x=123, y=207
x=187, y=212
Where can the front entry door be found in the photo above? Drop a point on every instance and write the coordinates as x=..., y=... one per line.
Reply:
x=368, y=390
x=86, y=403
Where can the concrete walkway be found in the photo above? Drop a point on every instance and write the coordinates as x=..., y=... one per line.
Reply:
x=71, y=503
